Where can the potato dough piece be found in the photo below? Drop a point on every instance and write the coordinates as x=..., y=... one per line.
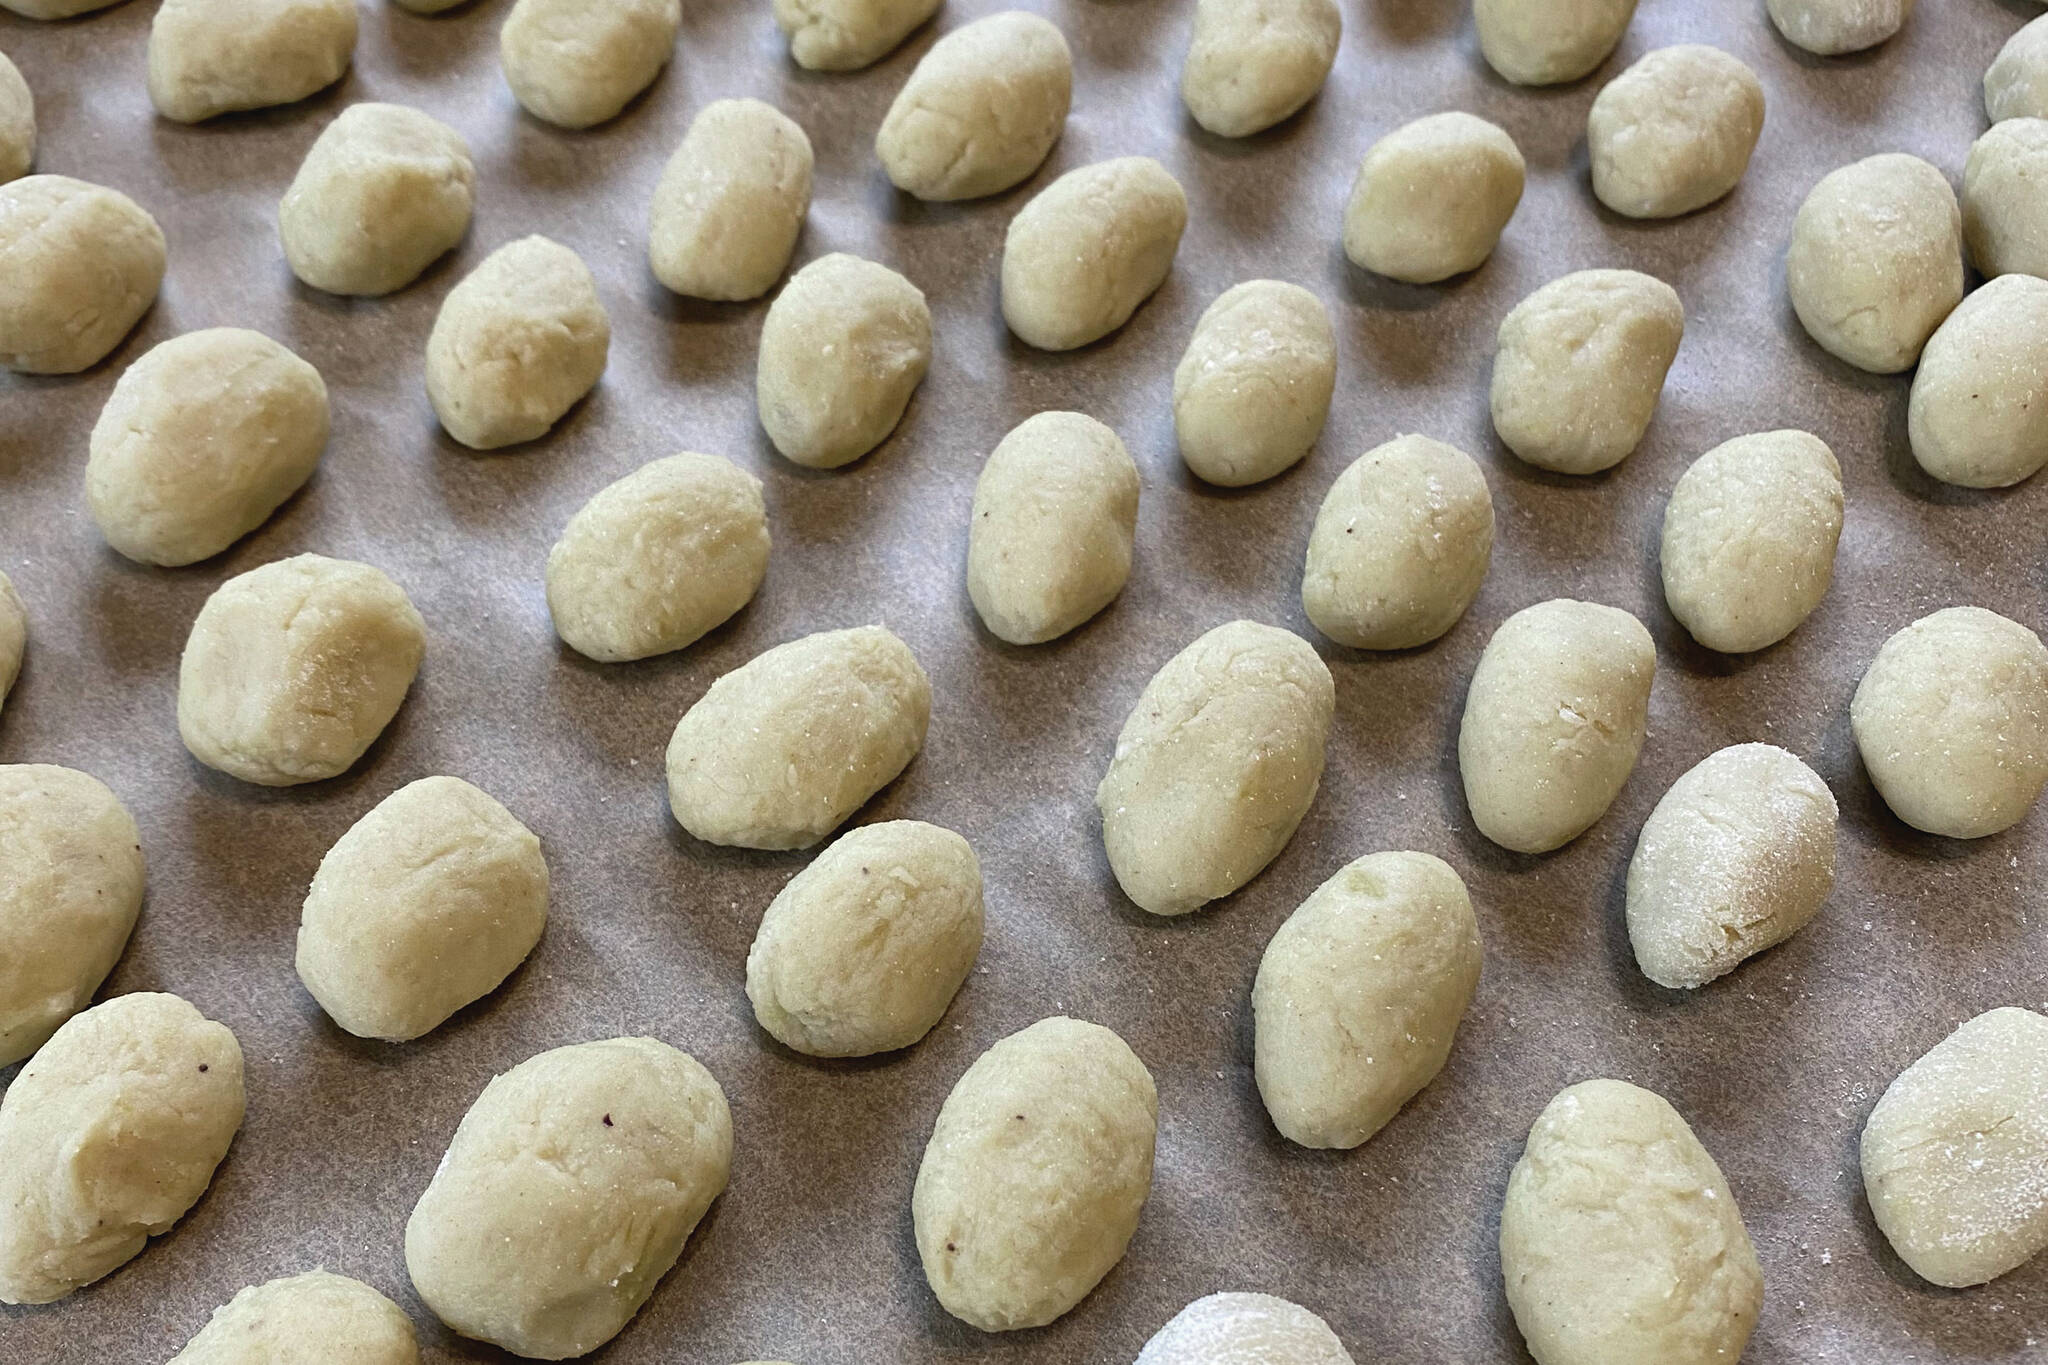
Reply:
x=1216, y=766
x=862, y=951
x=293, y=669
x=981, y=111
x=731, y=202
x=1549, y=42
x=1673, y=133
x=79, y=266
x=566, y=1194
x=2016, y=85
x=1952, y=721
x=517, y=344
x=1252, y=391
x=107, y=1137
x=1055, y=514
x=1580, y=365
x=384, y=193
x=1244, y=1329
x=202, y=439
x=780, y=751
x=576, y=63
x=17, y=123
x=287, y=1321
x=846, y=35
x=13, y=637
x=2005, y=199
x=1832, y=27
x=1432, y=198
x=844, y=346
x=1954, y=1152
x=1036, y=1172
x=209, y=57
x=1251, y=66
x=1619, y=1240
x=1978, y=415
x=1088, y=249
x=1554, y=720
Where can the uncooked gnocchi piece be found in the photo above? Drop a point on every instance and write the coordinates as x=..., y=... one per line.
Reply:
x=731, y=202
x=1978, y=413
x=577, y=63
x=1832, y=27
x=298, y=1317
x=2016, y=84
x=1876, y=260
x=1549, y=42
x=1432, y=198
x=846, y=35
x=1250, y=66
x=1244, y=1329
x=2005, y=199
x=1088, y=249
x=209, y=57
x=1035, y=1174
x=982, y=110
x=844, y=346
x=79, y=266
x=13, y=635
x=384, y=192
x=1673, y=133
x=17, y=123
x=1252, y=390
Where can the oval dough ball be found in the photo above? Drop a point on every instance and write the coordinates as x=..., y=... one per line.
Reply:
x=1549, y=42
x=1432, y=198
x=1749, y=539
x=566, y=1194
x=1954, y=1152
x=1216, y=766
x=1035, y=1174
x=844, y=346
x=1619, y=1238
x=846, y=35
x=2005, y=199
x=202, y=439
x=658, y=558
x=1876, y=260
x=293, y=669
x=17, y=123
x=341, y=1319
x=1055, y=514
x=13, y=637
x=981, y=111
x=1252, y=391
x=1673, y=133
x=1244, y=1329
x=1250, y=66
x=862, y=951
x=576, y=63
x=79, y=266
x=1554, y=720
x=780, y=751
x=209, y=57
x=1978, y=414
x=1832, y=27
x=108, y=1135
x=1400, y=546
x=731, y=202
x=70, y=889
x=1088, y=249
x=425, y=905
x=1580, y=365
x=1359, y=995
x=1951, y=719
x=2016, y=84
x=517, y=343
x=384, y=192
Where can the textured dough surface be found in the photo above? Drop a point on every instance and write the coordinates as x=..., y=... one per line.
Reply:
x=1876, y=260
x=13, y=636
x=17, y=123
x=79, y=266
x=1252, y=391
x=1244, y=1329
x=981, y=111
x=576, y=63
x=209, y=57
x=845, y=344
x=730, y=202
x=384, y=192
x=1673, y=133
x=1088, y=249
x=2016, y=83
x=1549, y=42
x=1978, y=414
x=1832, y=27
x=2005, y=199
x=317, y=1318
x=1250, y=66
x=846, y=35
x=1432, y=198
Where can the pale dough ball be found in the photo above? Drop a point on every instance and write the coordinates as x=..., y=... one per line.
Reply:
x=13, y=635
x=844, y=346
x=1250, y=66
x=517, y=343
x=17, y=123
x=384, y=192
x=209, y=57
x=427, y=904
x=1832, y=27
x=1054, y=518
x=1359, y=996
x=79, y=266
x=2005, y=199
x=1951, y=719
x=1673, y=133
x=1549, y=42
x=846, y=35
x=567, y=1193
x=1978, y=414
x=70, y=889
x=1580, y=365
x=1244, y=1329
x=1252, y=391
x=1619, y=1239
x=107, y=1136
x=731, y=202
x=780, y=751
x=1035, y=1174
x=1956, y=1152
x=1216, y=766
x=54, y=9
x=1088, y=249
x=981, y=111
x=1400, y=546
x=300, y=1318
x=862, y=951
x=576, y=63
x=2016, y=84
x=1432, y=198
x=1749, y=539
x=658, y=558
x=202, y=439
x=293, y=669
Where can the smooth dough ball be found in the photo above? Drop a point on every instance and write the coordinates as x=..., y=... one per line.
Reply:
x=1088, y=249
x=17, y=123
x=1832, y=27
x=1432, y=198
x=1216, y=766
x=79, y=266
x=1876, y=260
x=1054, y=519
x=209, y=57
x=1250, y=66
x=2016, y=84
x=658, y=558
x=1244, y=1329
x=302, y=1316
x=1400, y=546
x=1252, y=391
x=844, y=346
x=567, y=1193
x=731, y=202
x=517, y=343
x=1549, y=42
x=846, y=35
x=2005, y=199
x=1580, y=365
x=1978, y=414
x=862, y=951
x=982, y=110
x=576, y=63
x=293, y=669
x=425, y=905
x=107, y=1136
x=1749, y=539
x=1673, y=133
x=1035, y=1174
x=1952, y=722
x=13, y=635
x=384, y=192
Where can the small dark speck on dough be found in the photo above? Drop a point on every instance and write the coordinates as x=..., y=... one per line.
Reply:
x=202, y=1066
x=608, y=1121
